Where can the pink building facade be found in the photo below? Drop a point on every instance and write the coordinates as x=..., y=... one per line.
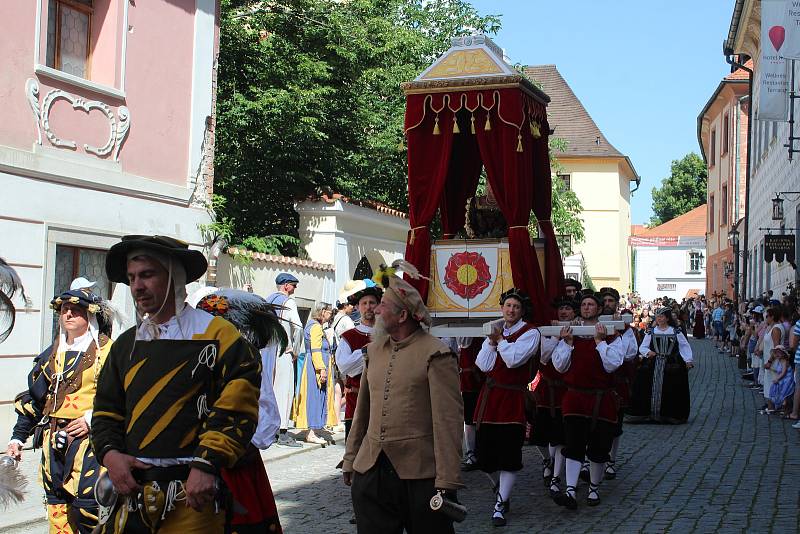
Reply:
x=107, y=130
x=722, y=134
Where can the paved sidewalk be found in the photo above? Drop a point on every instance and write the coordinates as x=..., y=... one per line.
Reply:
x=728, y=470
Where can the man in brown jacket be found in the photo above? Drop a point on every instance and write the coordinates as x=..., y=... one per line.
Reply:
x=405, y=443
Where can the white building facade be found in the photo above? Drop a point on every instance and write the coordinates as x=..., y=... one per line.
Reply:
x=669, y=268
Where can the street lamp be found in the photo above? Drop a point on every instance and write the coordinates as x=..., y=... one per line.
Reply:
x=733, y=239
x=733, y=236
x=777, y=208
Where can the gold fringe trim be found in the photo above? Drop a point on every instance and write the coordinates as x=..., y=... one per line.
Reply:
x=472, y=124
x=436, y=130
x=519, y=142
x=488, y=125
x=456, y=129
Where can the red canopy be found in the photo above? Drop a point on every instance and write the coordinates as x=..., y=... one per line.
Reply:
x=451, y=135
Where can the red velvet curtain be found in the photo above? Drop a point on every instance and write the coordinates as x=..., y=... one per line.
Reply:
x=462, y=181
x=443, y=163
x=543, y=208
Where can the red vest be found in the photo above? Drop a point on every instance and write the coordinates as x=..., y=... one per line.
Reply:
x=356, y=339
x=472, y=378
x=502, y=398
x=590, y=389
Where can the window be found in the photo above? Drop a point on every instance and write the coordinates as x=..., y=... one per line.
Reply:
x=566, y=181
x=712, y=149
x=726, y=133
x=711, y=213
x=69, y=27
x=723, y=207
x=696, y=261
x=72, y=262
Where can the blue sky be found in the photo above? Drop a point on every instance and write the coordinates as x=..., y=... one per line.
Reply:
x=643, y=69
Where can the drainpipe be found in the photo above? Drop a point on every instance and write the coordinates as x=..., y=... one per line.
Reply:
x=746, y=248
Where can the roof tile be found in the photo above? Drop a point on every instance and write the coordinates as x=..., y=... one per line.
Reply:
x=690, y=224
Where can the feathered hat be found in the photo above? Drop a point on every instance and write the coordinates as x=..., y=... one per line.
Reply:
x=10, y=285
x=102, y=309
x=255, y=318
x=400, y=292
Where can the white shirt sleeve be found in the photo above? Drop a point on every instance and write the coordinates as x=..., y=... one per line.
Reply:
x=350, y=362
x=548, y=345
x=644, y=348
x=562, y=356
x=685, y=348
x=486, y=357
x=341, y=325
x=631, y=348
x=612, y=354
x=296, y=338
x=517, y=353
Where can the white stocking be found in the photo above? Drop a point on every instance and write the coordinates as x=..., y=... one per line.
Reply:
x=558, y=463
x=469, y=437
x=614, y=449
x=573, y=471
x=596, y=472
x=507, y=479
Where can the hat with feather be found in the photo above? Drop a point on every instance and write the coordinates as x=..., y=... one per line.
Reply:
x=255, y=318
x=10, y=285
x=400, y=292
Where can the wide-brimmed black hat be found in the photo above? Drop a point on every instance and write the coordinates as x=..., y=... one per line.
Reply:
x=609, y=291
x=571, y=282
x=193, y=261
x=597, y=297
x=375, y=291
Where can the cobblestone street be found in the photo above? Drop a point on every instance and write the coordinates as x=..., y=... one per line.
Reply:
x=725, y=471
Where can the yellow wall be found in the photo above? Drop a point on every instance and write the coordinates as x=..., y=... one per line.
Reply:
x=602, y=185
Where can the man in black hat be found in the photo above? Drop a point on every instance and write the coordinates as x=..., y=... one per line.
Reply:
x=623, y=377
x=283, y=367
x=589, y=407
x=572, y=288
x=177, y=400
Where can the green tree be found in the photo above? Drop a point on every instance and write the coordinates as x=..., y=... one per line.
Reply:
x=682, y=191
x=309, y=98
x=567, y=207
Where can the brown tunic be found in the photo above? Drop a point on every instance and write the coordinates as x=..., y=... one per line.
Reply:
x=410, y=408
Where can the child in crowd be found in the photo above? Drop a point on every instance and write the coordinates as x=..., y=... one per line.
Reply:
x=782, y=388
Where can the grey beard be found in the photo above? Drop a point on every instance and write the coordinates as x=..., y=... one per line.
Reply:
x=379, y=333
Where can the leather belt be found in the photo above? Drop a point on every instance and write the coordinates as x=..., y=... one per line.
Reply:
x=162, y=474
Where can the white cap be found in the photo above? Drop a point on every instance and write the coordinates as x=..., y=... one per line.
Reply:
x=81, y=283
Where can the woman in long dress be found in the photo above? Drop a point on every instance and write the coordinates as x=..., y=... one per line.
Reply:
x=699, y=329
x=661, y=389
x=315, y=397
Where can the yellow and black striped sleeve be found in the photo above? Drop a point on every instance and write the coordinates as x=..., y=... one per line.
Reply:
x=233, y=416
x=108, y=416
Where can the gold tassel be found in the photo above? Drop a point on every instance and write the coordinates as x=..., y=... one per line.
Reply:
x=488, y=125
x=519, y=142
x=535, y=133
x=456, y=129
x=472, y=124
x=436, y=130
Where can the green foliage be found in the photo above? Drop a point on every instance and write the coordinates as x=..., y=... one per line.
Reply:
x=309, y=98
x=682, y=191
x=566, y=206
x=272, y=244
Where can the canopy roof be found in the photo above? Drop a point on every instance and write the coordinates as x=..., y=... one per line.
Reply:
x=472, y=62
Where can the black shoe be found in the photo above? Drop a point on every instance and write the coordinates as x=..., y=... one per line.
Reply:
x=593, y=498
x=501, y=508
x=566, y=499
x=555, y=487
x=611, y=471
x=469, y=463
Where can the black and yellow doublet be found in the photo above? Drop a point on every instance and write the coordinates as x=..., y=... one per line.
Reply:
x=190, y=399
x=61, y=388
